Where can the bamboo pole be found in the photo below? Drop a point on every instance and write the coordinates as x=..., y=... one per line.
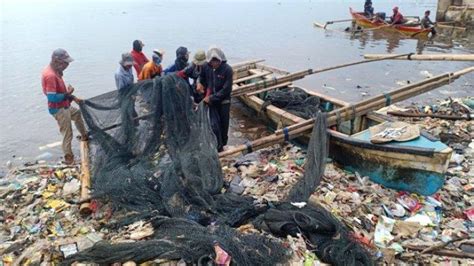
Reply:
x=380, y=99
x=428, y=57
x=298, y=75
x=418, y=115
x=246, y=63
x=340, y=20
x=346, y=113
x=448, y=27
x=85, y=209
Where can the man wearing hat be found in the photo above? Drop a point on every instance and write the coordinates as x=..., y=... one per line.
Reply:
x=152, y=68
x=193, y=72
x=59, y=101
x=124, y=74
x=181, y=61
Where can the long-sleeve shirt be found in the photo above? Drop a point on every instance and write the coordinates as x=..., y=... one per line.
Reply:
x=150, y=70
x=218, y=83
x=123, y=77
x=55, y=90
x=426, y=22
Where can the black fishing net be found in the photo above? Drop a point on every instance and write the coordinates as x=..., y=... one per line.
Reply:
x=294, y=100
x=155, y=158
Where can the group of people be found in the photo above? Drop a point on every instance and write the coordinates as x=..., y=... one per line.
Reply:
x=208, y=75
x=397, y=17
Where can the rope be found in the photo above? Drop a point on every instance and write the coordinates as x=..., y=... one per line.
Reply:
x=388, y=99
x=353, y=117
x=287, y=135
x=338, y=118
x=248, y=144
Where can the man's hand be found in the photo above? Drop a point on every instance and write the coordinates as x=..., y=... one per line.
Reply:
x=206, y=99
x=76, y=100
x=70, y=89
x=200, y=88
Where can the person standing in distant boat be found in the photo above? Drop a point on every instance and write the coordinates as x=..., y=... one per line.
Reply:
x=426, y=22
x=124, y=74
x=139, y=58
x=216, y=81
x=59, y=101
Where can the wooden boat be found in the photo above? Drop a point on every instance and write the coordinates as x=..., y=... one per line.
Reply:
x=407, y=30
x=415, y=166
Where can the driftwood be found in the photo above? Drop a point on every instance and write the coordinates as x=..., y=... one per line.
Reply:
x=442, y=252
x=85, y=179
x=442, y=245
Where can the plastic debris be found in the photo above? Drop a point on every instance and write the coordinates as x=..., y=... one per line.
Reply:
x=383, y=230
x=222, y=257
x=36, y=216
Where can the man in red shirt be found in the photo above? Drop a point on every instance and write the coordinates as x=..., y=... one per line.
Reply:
x=397, y=17
x=139, y=58
x=59, y=100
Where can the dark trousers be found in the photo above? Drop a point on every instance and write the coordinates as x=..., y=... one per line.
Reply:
x=220, y=118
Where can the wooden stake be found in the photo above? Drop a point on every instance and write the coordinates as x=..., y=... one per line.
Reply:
x=85, y=209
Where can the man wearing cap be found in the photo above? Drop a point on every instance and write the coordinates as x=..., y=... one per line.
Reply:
x=152, y=68
x=59, y=101
x=193, y=72
x=397, y=17
x=216, y=80
x=124, y=74
x=181, y=61
x=139, y=58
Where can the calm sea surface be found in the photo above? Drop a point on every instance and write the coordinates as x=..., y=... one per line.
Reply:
x=96, y=32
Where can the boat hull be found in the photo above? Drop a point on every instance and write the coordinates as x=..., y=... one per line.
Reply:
x=414, y=31
x=413, y=169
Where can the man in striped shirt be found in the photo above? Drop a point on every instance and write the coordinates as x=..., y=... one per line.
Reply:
x=59, y=101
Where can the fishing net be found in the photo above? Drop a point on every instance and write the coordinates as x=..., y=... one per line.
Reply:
x=294, y=100
x=155, y=158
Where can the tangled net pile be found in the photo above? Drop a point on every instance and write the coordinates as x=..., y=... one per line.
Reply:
x=294, y=100
x=160, y=164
